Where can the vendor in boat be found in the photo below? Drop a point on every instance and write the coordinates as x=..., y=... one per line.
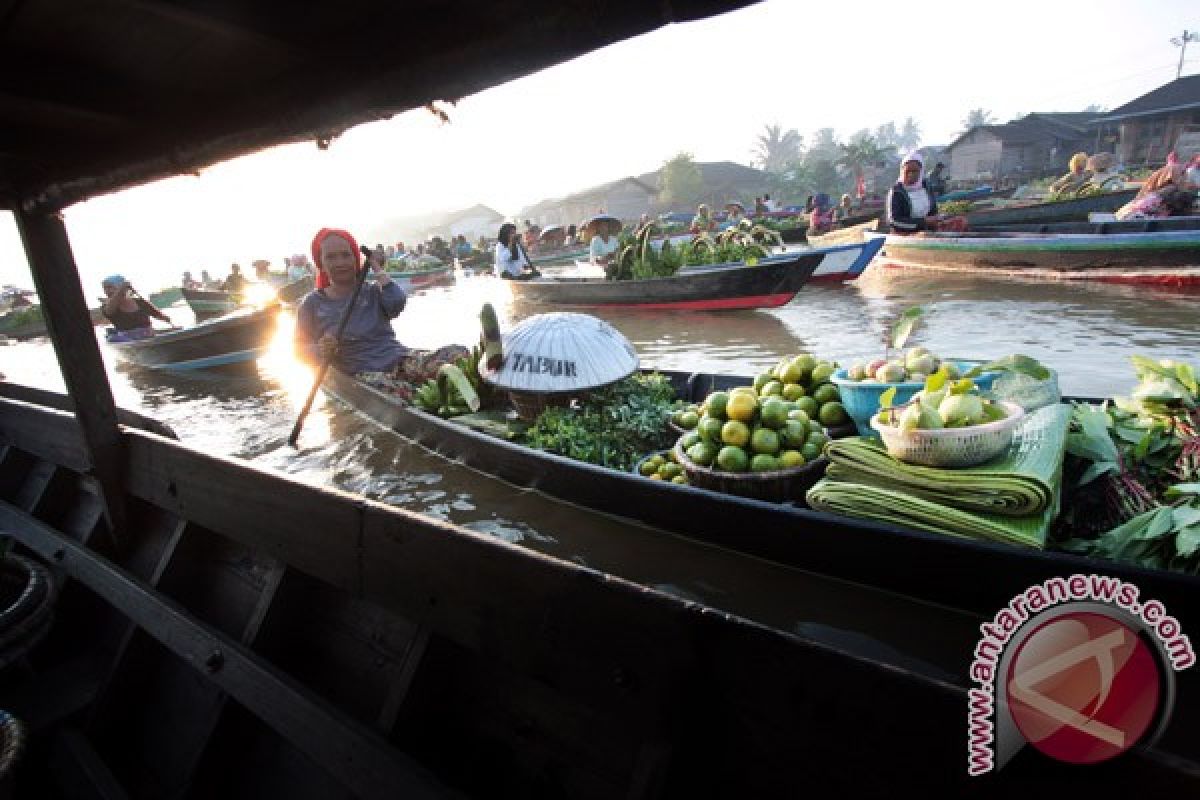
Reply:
x=821, y=219
x=369, y=343
x=844, y=209
x=207, y=281
x=737, y=213
x=189, y=282
x=236, y=282
x=1077, y=176
x=1105, y=174
x=511, y=261
x=937, y=179
x=911, y=205
x=703, y=221
x=1166, y=193
x=602, y=247
x=128, y=311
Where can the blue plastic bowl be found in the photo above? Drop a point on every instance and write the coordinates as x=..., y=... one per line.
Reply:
x=861, y=398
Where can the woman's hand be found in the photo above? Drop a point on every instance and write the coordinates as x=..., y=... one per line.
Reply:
x=328, y=346
x=379, y=267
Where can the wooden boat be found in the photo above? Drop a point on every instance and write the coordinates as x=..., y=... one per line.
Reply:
x=166, y=297
x=940, y=569
x=416, y=279
x=234, y=338
x=842, y=262
x=978, y=193
x=1056, y=211
x=224, y=630
x=769, y=284
x=209, y=303
x=1161, y=253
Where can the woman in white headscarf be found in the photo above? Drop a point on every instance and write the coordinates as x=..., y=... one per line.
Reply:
x=911, y=205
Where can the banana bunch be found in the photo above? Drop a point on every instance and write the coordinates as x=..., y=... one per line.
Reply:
x=456, y=390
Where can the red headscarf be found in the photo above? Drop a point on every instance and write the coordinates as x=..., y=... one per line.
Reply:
x=322, y=235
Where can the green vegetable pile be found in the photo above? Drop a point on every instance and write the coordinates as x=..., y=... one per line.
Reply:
x=637, y=259
x=613, y=427
x=1136, y=469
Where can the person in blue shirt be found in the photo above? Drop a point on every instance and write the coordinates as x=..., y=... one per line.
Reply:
x=369, y=347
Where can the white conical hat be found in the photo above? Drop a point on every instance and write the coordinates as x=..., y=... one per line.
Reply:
x=562, y=352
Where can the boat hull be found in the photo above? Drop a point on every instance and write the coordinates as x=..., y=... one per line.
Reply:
x=941, y=569
x=425, y=279
x=234, y=339
x=1058, y=211
x=1162, y=258
x=208, y=303
x=770, y=284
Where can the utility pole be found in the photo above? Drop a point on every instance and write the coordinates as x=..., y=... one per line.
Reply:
x=1182, y=42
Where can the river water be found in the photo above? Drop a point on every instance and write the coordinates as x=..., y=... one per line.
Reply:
x=1085, y=332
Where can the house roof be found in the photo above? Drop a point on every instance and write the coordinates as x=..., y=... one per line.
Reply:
x=1039, y=126
x=102, y=95
x=715, y=173
x=1178, y=95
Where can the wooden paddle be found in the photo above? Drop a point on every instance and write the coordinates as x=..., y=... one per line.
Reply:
x=327, y=360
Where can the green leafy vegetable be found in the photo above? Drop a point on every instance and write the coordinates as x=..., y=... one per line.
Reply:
x=905, y=326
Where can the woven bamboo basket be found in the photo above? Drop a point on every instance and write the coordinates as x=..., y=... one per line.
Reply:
x=778, y=486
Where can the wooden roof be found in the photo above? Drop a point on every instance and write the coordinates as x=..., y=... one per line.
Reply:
x=99, y=95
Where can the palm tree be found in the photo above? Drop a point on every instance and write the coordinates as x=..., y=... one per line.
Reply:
x=862, y=151
x=776, y=148
x=977, y=117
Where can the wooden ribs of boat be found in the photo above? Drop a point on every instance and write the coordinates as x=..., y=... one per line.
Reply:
x=292, y=641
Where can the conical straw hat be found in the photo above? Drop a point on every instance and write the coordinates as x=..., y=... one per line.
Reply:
x=562, y=352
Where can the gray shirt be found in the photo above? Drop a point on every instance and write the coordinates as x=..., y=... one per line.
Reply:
x=368, y=344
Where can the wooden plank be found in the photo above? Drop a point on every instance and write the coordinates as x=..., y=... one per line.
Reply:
x=37, y=482
x=48, y=434
x=289, y=523
x=362, y=761
x=403, y=681
x=63, y=402
x=52, y=266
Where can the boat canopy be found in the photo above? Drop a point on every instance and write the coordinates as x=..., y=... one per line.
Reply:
x=100, y=96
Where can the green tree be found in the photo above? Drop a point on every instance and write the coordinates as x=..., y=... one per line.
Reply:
x=775, y=148
x=682, y=183
x=824, y=146
x=887, y=135
x=910, y=135
x=976, y=117
x=861, y=152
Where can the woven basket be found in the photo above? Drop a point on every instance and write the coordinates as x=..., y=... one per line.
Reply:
x=951, y=447
x=529, y=406
x=779, y=486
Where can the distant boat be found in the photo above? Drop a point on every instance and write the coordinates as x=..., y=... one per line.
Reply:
x=720, y=287
x=1164, y=252
x=233, y=339
x=1075, y=210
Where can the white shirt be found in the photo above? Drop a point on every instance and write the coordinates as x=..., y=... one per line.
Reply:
x=506, y=263
x=599, y=248
x=919, y=198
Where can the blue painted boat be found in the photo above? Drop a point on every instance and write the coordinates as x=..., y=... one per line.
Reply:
x=978, y=193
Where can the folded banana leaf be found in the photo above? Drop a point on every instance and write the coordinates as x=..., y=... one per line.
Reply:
x=1023, y=481
x=897, y=507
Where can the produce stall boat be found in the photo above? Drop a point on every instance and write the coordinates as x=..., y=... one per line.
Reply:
x=224, y=630
x=941, y=569
x=1055, y=211
x=842, y=262
x=721, y=287
x=1163, y=253
x=232, y=339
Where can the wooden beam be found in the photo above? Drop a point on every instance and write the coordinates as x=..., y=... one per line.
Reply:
x=357, y=757
x=56, y=277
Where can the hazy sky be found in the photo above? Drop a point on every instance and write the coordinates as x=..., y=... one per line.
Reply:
x=707, y=88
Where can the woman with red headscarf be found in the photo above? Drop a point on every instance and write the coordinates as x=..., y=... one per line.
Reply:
x=369, y=343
